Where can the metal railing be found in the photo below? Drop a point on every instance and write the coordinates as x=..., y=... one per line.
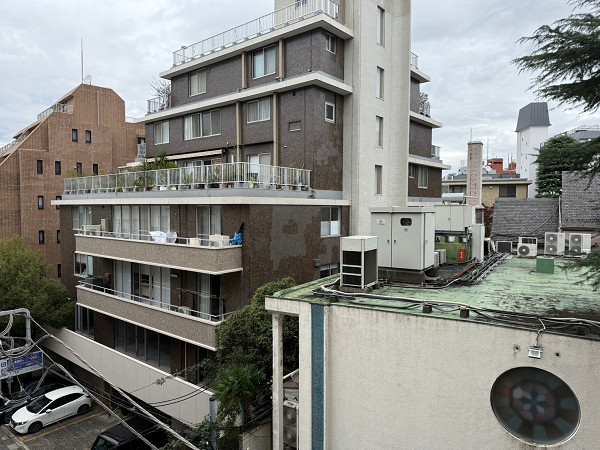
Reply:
x=57, y=107
x=157, y=104
x=159, y=237
x=414, y=60
x=435, y=151
x=425, y=109
x=182, y=310
x=257, y=27
x=15, y=142
x=232, y=175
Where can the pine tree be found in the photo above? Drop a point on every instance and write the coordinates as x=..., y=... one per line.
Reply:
x=560, y=153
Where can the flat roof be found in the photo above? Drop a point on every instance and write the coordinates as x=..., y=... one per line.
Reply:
x=511, y=294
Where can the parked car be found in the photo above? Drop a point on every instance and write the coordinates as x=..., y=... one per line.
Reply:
x=24, y=397
x=120, y=437
x=49, y=408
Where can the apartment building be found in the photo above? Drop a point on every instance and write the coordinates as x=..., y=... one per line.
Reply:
x=83, y=133
x=286, y=130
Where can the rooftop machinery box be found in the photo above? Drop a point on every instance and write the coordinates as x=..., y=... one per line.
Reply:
x=406, y=237
x=453, y=217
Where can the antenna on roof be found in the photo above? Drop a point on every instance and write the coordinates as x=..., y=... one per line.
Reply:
x=87, y=79
x=81, y=59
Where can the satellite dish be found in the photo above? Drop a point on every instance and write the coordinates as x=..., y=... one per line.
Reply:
x=88, y=79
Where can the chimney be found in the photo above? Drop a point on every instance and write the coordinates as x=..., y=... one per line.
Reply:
x=474, y=177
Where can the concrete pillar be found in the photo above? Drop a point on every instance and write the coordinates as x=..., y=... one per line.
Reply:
x=277, y=381
x=474, y=176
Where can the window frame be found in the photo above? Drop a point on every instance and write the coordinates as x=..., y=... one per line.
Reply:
x=331, y=227
x=331, y=43
x=58, y=236
x=95, y=169
x=188, y=121
x=41, y=237
x=412, y=171
x=57, y=168
x=378, y=131
x=74, y=135
x=379, y=89
x=422, y=177
x=196, y=73
x=40, y=167
x=264, y=61
x=40, y=202
x=88, y=136
x=164, y=127
x=258, y=103
x=506, y=188
x=380, y=26
x=378, y=179
x=332, y=105
x=292, y=125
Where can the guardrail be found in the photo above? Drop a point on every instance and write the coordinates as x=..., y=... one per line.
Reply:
x=57, y=107
x=159, y=237
x=230, y=175
x=414, y=60
x=297, y=10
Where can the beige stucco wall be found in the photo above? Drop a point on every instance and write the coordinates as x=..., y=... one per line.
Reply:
x=492, y=191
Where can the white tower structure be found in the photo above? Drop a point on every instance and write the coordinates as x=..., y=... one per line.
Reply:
x=532, y=131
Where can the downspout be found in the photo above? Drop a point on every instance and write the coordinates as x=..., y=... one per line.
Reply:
x=559, y=213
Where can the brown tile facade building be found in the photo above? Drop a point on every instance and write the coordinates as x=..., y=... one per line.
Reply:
x=83, y=133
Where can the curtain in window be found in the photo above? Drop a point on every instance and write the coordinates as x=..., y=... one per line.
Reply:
x=270, y=60
x=252, y=109
x=206, y=125
x=216, y=122
x=204, y=298
x=264, y=107
x=259, y=64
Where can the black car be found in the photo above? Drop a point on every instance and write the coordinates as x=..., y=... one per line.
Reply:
x=24, y=397
x=120, y=437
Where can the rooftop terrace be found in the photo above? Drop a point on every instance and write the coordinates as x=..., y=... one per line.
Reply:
x=511, y=294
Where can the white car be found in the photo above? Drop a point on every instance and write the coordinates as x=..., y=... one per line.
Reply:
x=49, y=408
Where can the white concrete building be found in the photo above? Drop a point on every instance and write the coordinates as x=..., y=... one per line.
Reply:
x=532, y=130
x=444, y=368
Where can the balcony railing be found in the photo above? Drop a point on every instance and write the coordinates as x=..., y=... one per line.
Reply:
x=414, y=60
x=425, y=109
x=157, y=104
x=257, y=27
x=57, y=107
x=15, y=142
x=231, y=175
x=435, y=151
x=160, y=237
x=183, y=310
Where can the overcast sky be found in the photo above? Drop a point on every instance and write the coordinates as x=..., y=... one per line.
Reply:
x=464, y=45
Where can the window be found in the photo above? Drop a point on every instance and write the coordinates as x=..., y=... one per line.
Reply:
x=330, y=43
x=82, y=215
x=378, y=131
x=57, y=168
x=41, y=237
x=161, y=133
x=58, y=271
x=405, y=221
x=423, y=177
x=535, y=406
x=379, y=87
x=135, y=222
x=507, y=191
x=412, y=171
x=295, y=125
x=208, y=221
x=254, y=168
x=40, y=167
x=331, y=224
x=79, y=168
x=40, y=202
x=329, y=269
x=263, y=62
x=329, y=112
x=380, y=26
x=258, y=110
x=83, y=265
x=378, y=180
x=88, y=136
x=202, y=125
x=58, y=236
x=143, y=344
x=58, y=197
x=198, y=82
x=74, y=135
x=95, y=169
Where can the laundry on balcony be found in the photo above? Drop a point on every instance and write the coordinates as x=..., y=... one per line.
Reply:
x=163, y=237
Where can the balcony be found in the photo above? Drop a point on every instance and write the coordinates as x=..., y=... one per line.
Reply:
x=173, y=320
x=157, y=104
x=205, y=254
x=435, y=151
x=240, y=175
x=414, y=60
x=301, y=9
x=57, y=107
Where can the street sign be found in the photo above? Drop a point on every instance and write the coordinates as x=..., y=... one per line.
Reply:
x=23, y=364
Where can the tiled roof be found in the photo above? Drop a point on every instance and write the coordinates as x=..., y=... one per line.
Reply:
x=580, y=202
x=530, y=217
x=533, y=115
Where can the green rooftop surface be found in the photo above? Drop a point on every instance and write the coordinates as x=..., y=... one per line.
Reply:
x=513, y=285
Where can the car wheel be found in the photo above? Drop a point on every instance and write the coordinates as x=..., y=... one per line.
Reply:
x=83, y=409
x=35, y=427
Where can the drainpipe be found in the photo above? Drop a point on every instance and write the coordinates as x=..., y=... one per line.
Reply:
x=559, y=213
x=213, y=422
x=275, y=130
x=238, y=130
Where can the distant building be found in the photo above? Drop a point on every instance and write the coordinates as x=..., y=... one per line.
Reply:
x=532, y=131
x=84, y=133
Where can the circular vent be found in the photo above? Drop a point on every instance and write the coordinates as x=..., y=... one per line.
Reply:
x=576, y=239
x=535, y=405
x=523, y=250
x=575, y=249
x=552, y=249
x=552, y=238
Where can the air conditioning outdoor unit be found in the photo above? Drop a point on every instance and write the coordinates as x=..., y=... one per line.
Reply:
x=104, y=225
x=527, y=247
x=580, y=243
x=290, y=424
x=358, y=256
x=554, y=243
x=442, y=252
x=504, y=246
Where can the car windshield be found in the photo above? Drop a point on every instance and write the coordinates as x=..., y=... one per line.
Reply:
x=37, y=405
x=102, y=444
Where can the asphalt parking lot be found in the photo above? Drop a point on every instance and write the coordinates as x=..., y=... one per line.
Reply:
x=77, y=432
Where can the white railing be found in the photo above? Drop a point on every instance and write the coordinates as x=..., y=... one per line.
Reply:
x=57, y=107
x=414, y=60
x=15, y=142
x=159, y=237
x=257, y=27
x=425, y=109
x=183, y=310
x=157, y=104
x=227, y=175
x=435, y=151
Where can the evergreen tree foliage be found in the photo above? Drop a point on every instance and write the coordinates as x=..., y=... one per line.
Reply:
x=24, y=284
x=560, y=153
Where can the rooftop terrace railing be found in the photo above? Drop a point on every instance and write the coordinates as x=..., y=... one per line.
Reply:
x=257, y=27
x=57, y=107
x=414, y=60
x=231, y=175
x=15, y=142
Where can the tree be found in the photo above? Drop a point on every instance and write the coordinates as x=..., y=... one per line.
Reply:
x=560, y=153
x=24, y=284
